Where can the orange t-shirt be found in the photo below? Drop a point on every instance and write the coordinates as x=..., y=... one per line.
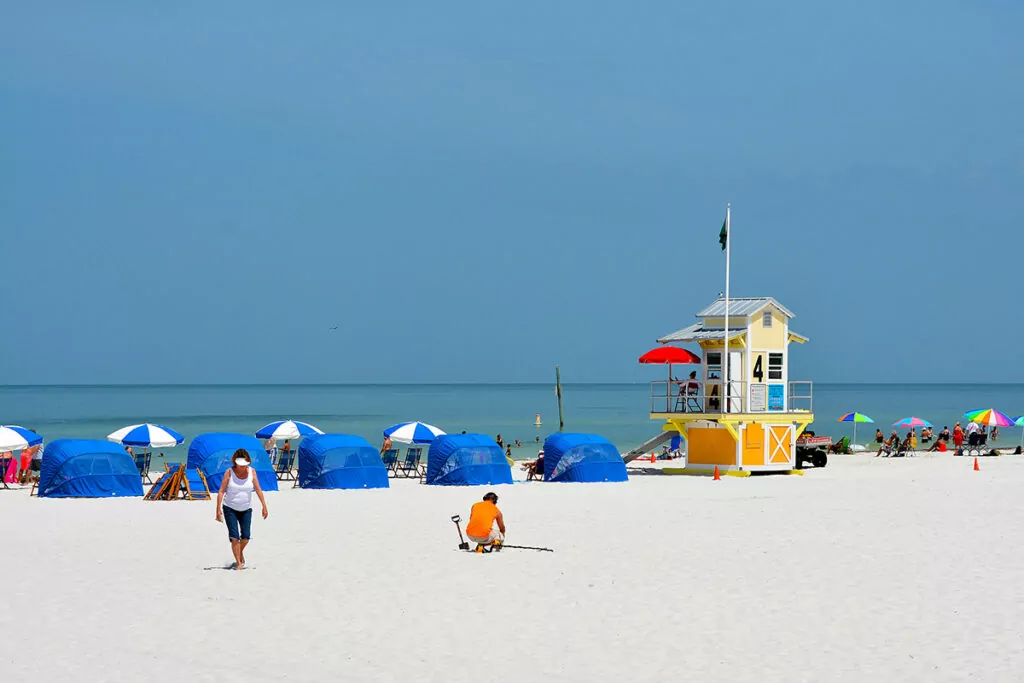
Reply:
x=481, y=519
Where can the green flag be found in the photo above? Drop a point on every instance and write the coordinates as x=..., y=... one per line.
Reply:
x=723, y=236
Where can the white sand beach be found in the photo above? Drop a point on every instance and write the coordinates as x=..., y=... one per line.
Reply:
x=871, y=569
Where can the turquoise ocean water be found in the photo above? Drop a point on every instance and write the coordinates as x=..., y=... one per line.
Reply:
x=617, y=411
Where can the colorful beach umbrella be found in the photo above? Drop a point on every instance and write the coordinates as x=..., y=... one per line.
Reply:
x=286, y=429
x=1019, y=422
x=413, y=432
x=147, y=435
x=990, y=417
x=911, y=423
x=855, y=418
x=15, y=438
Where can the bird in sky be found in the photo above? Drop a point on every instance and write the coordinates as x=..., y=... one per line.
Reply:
x=330, y=329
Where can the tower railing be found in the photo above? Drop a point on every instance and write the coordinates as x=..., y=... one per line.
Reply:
x=672, y=396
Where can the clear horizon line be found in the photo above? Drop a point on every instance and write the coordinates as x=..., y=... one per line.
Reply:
x=92, y=385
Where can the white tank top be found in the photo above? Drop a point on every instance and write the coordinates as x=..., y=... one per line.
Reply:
x=239, y=494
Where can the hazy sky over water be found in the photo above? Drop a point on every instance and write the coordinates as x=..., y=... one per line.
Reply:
x=474, y=191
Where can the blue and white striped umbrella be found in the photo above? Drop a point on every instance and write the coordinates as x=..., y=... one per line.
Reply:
x=287, y=429
x=413, y=432
x=147, y=435
x=15, y=438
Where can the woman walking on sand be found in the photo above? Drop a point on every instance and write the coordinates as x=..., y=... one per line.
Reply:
x=234, y=503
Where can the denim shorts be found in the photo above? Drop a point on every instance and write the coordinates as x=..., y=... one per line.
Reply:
x=235, y=519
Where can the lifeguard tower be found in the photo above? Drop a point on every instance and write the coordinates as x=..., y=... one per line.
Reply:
x=750, y=423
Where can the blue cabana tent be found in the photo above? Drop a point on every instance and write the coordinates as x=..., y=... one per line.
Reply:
x=467, y=460
x=340, y=461
x=85, y=468
x=582, y=457
x=211, y=453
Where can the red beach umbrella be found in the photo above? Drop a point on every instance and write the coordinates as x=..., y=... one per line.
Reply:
x=669, y=355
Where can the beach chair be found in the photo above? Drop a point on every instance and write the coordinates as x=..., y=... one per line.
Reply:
x=168, y=485
x=34, y=475
x=535, y=470
x=411, y=466
x=842, y=446
x=142, y=463
x=284, y=468
x=4, y=464
x=689, y=397
x=390, y=460
x=194, y=486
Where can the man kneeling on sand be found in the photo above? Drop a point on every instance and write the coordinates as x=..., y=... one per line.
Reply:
x=482, y=517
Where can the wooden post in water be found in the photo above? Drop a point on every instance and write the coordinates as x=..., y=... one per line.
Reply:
x=558, y=395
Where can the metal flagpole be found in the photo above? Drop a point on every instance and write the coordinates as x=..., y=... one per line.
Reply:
x=725, y=359
x=558, y=395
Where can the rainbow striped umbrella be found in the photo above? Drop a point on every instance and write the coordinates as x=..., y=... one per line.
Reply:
x=911, y=423
x=855, y=418
x=990, y=417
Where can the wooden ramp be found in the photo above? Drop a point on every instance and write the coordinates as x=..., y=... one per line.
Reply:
x=649, y=445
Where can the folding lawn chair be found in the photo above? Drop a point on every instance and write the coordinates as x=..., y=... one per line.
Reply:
x=842, y=446
x=411, y=466
x=194, y=485
x=536, y=470
x=4, y=464
x=285, y=465
x=34, y=475
x=168, y=485
x=142, y=463
x=390, y=460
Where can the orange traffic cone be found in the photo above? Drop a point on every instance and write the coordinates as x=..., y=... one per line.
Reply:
x=653, y=459
x=718, y=477
x=976, y=468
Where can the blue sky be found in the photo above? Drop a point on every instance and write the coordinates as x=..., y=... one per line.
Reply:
x=476, y=191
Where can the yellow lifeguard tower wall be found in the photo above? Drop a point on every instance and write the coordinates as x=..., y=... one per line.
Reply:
x=758, y=430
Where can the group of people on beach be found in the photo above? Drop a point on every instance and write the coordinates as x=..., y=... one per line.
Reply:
x=21, y=468
x=974, y=434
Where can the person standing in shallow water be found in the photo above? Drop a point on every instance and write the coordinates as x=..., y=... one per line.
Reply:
x=234, y=503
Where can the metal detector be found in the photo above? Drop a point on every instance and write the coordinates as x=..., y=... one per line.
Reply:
x=463, y=545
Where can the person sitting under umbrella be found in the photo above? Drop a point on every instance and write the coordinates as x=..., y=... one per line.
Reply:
x=689, y=389
x=890, y=446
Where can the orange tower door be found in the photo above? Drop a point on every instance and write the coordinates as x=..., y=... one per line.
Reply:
x=780, y=445
x=753, y=444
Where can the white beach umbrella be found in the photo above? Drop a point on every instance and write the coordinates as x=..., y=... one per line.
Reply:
x=413, y=432
x=287, y=429
x=146, y=435
x=15, y=438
